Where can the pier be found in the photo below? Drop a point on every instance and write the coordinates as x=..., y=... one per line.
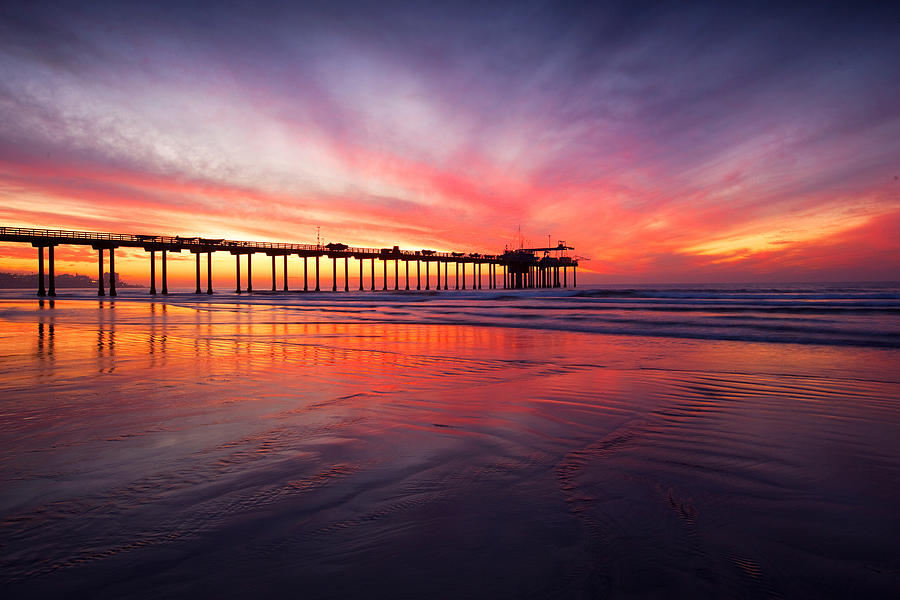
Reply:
x=513, y=269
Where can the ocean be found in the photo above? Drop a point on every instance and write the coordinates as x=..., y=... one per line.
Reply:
x=737, y=441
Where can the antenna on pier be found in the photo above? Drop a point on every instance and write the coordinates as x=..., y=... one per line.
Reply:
x=318, y=239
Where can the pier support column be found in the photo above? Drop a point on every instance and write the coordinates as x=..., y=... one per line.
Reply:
x=51, y=272
x=317, y=273
x=346, y=274
x=396, y=274
x=196, y=256
x=41, y=291
x=446, y=268
x=475, y=282
x=427, y=274
x=384, y=275
x=362, y=267
x=284, y=272
x=237, y=273
x=100, y=290
x=273, y=272
x=565, y=276
x=407, y=274
x=372, y=274
x=305, y=278
x=437, y=266
x=249, y=272
x=165, y=279
x=209, y=273
x=573, y=276
x=334, y=273
x=457, y=275
x=418, y=275
x=152, y=273
x=464, y=276
x=112, y=271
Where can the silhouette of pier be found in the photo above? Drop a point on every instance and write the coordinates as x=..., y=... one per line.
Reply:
x=518, y=269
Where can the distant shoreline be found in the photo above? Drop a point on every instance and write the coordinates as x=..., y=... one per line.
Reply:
x=20, y=281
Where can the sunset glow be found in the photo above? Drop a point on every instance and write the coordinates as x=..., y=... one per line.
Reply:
x=729, y=145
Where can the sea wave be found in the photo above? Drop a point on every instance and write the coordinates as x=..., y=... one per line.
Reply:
x=828, y=314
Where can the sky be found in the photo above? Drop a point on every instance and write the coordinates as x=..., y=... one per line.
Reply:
x=670, y=142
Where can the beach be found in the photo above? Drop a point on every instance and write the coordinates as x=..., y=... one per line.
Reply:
x=671, y=441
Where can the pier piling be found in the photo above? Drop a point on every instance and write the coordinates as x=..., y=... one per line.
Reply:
x=112, y=271
x=165, y=281
x=197, y=257
x=152, y=273
x=249, y=272
x=51, y=272
x=100, y=289
x=41, y=291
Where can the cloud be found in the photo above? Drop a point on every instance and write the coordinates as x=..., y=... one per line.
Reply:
x=658, y=139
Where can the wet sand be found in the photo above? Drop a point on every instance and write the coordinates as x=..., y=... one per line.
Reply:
x=226, y=450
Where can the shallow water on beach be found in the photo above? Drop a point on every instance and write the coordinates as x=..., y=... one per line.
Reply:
x=484, y=445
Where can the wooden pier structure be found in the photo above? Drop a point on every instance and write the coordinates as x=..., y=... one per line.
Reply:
x=520, y=269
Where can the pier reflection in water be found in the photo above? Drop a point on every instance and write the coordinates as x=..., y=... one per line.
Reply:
x=228, y=448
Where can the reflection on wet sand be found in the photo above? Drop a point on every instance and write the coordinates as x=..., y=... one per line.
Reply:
x=46, y=334
x=235, y=449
